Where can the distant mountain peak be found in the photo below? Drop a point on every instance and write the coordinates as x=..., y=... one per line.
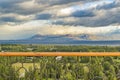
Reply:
x=66, y=36
x=37, y=36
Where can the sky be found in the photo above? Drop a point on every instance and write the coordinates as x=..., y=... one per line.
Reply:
x=22, y=19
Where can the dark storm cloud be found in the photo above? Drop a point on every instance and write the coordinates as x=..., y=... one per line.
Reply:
x=56, y=2
x=7, y=19
x=83, y=13
x=43, y=16
x=11, y=6
x=8, y=4
x=108, y=6
x=62, y=2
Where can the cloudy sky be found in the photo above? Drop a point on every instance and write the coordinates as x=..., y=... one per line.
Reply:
x=22, y=19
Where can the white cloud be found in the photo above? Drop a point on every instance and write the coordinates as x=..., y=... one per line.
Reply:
x=28, y=4
x=31, y=28
x=87, y=6
x=31, y=5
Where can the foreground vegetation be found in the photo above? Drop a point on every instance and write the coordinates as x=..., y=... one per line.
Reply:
x=59, y=68
x=56, y=48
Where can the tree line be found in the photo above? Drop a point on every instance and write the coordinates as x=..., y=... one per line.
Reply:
x=56, y=48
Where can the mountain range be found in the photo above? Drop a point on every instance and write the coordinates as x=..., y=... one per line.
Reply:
x=83, y=39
